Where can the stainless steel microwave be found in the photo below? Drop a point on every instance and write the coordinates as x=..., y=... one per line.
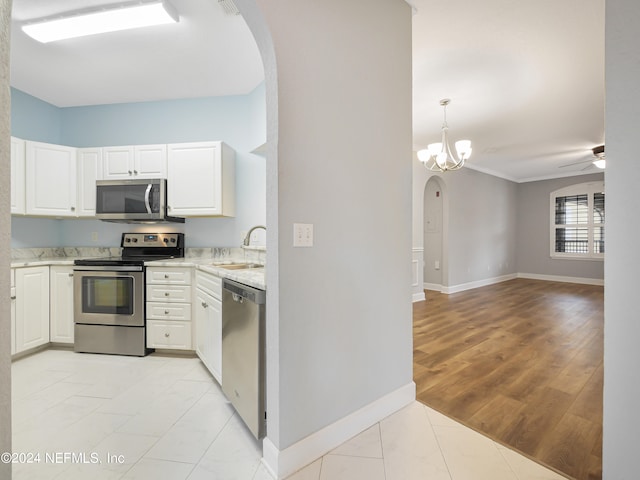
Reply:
x=133, y=201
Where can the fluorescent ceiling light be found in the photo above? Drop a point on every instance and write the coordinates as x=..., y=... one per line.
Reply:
x=122, y=17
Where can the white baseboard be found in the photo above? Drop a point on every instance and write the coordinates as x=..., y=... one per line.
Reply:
x=480, y=283
x=282, y=463
x=433, y=286
x=418, y=297
x=561, y=278
x=532, y=276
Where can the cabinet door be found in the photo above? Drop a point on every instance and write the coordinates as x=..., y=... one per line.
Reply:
x=50, y=180
x=13, y=320
x=89, y=170
x=209, y=333
x=171, y=335
x=150, y=161
x=61, y=304
x=32, y=307
x=117, y=163
x=196, y=179
x=17, y=176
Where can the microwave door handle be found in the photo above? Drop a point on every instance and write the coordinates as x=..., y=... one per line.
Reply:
x=147, y=194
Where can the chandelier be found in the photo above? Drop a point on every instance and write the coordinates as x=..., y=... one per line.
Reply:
x=438, y=157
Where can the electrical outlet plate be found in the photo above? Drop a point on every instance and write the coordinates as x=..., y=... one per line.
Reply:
x=303, y=235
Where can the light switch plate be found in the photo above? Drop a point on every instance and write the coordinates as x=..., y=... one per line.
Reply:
x=303, y=235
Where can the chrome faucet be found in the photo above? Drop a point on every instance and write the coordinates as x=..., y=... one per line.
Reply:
x=247, y=238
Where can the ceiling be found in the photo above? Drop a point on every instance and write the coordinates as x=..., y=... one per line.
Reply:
x=526, y=81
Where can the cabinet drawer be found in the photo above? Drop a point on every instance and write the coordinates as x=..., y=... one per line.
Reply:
x=169, y=311
x=209, y=283
x=170, y=275
x=169, y=335
x=168, y=293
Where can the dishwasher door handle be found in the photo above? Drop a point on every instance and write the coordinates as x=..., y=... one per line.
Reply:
x=237, y=298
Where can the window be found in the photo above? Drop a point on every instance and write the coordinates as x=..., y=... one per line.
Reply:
x=577, y=221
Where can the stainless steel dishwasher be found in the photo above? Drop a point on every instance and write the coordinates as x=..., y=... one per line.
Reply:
x=243, y=352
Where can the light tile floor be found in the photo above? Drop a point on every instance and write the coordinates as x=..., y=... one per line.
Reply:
x=160, y=417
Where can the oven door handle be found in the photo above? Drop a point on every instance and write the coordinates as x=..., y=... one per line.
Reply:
x=103, y=268
x=147, y=201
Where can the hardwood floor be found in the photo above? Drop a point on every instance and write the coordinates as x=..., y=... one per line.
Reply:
x=522, y=362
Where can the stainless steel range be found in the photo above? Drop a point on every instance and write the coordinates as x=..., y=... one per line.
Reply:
x=109, y=294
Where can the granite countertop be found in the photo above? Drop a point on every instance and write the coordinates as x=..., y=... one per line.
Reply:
x=206, y=260
x=254, y=277
x=42, y=261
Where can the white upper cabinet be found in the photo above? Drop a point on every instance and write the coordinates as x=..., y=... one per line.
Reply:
x=89, y=170
x=17, y=176
x=138, y=161
x=201, y=179
x=50, y=180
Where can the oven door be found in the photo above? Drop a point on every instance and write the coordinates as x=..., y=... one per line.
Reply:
x=109, y=295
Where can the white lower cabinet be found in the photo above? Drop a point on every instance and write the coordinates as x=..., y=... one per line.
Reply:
x=169, y=308
x=31, y=307
x=208, y=315
x=170, y=334
x=13, y=311
x=61, y=304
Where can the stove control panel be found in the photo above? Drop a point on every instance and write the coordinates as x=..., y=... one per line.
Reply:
x=152, y=239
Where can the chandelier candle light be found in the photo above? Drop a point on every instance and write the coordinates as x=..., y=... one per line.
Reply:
x=438, y=157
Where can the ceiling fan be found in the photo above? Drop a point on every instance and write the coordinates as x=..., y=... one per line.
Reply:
x=598, y=159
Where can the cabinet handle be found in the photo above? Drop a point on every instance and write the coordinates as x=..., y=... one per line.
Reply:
x=135, y=172
x=166, y=335
x=13, y=297
x=204, y=304
x=130, y=172
x=166, y=294
x=73, y=209
x=166, y=275
x=71, y=274
x=166, y=312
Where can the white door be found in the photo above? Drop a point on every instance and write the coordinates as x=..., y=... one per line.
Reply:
x=150, y=161
x=17, y=176
x=32, y=307
x=117, y=163
x=89, y=170
x=50, y=180
x=194, y=179
x=61, y=301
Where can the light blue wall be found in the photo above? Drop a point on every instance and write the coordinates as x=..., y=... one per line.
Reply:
x=237, y=120
x=33, y=119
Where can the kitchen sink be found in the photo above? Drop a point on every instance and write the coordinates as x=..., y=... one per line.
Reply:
x=240, y=266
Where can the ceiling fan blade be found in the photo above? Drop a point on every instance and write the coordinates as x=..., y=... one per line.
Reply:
x=575, y=163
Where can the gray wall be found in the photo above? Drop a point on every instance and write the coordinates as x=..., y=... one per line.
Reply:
x=479, y=222
x=5, y=235
x=622, y=283
x=344, y=165
x=482, y=226
x=494, y=227
x=533, y=231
